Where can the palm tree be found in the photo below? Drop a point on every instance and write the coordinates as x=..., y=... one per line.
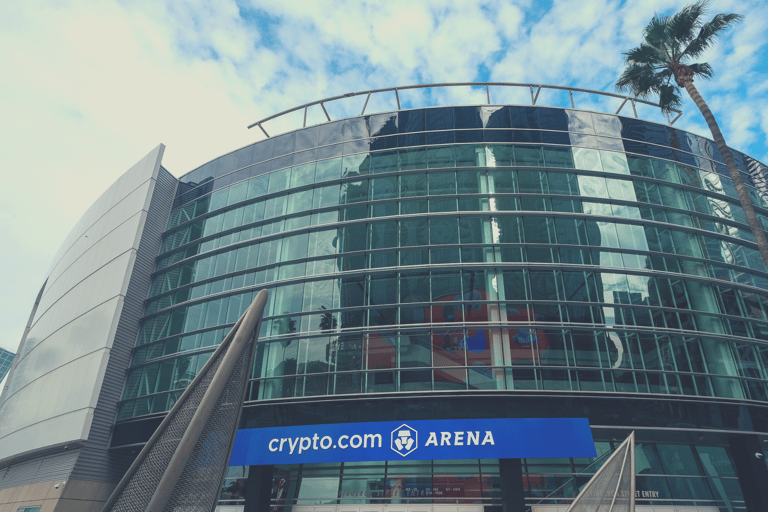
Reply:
x=670, y=43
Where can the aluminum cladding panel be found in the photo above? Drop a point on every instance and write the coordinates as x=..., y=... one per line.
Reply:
x=55, y=386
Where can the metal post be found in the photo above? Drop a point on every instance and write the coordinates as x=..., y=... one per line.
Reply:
x=168, y=417
x=326, y=112
x=622, y=105
x=241, y=342
x=365, y=104
x=537, y=94
x=571, y=93
x=305, y=116
x=634, y=107
x=397, y=97
x=262, y=129
x=488, y=94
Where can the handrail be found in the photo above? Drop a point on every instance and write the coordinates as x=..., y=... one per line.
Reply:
x=487, y=85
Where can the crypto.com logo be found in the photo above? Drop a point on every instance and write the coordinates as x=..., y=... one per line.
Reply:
x=404, y=440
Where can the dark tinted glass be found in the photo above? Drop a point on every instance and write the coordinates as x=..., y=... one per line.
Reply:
x=463, y=136
x=356, y=128
x=307, y=138
x=657, y=134
x=467, y=117
x=410, y=121
x=439, y=118
x=284, y=144
x=244, y=156
x=440, y=137
x=553, y=119
x=383, y=143
x=632, y=129
x=495, y=117
x=526, y=136
x=331, y=151
x=383, y=124
x=555, y=137
x=524, y=117
x=411, y=139
x=330, y=133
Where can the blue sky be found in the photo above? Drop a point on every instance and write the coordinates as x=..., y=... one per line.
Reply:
x=88, y=88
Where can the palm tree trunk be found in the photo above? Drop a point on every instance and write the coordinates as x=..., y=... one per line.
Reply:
x=730, y=164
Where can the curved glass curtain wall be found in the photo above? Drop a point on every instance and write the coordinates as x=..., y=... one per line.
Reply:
x=465, y=248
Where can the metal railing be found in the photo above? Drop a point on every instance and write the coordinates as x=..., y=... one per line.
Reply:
x=487, y=85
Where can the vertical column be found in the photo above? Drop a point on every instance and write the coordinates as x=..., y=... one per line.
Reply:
x=258, y=490
x=494, y=284
x=512, y=493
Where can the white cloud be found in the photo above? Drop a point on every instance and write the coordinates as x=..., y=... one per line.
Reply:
x=90, y=87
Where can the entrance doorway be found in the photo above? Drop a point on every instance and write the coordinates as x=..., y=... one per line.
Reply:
x=427, y=507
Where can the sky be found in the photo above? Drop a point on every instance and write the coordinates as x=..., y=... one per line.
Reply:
x=88, y=88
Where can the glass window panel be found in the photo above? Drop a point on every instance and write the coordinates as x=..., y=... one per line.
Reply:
x=443, y=156
x=499, y=155
x=587, y=159
x=384, y=161
x=443, y=230
x=558, y=157
x=355, y=165
x=383, y=235
x=415, y=380
x=539, y=229
x=279, y=181
x=614, y=162
x=471, y=230
x=529, y=156
x=447, y=204
x=442, y=183
x=470, y=182
x=470, y=155
x=413, y=159
x=354, y=191
x=443, y=256
x=533, y=182
x=413, y=184
x=328, y=170
x=414, y=232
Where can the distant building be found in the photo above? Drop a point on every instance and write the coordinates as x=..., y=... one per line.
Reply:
x=434, y=265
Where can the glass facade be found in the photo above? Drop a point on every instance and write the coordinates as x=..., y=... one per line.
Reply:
x=6, y=360
x=498, y=251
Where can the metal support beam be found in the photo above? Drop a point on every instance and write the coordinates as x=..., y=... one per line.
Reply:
x=634, y=107
x=305, y=116
x=325, y=111
x=488, y=94
x=538, y=91
x=185, y=448
x=262, y=129
x=570, y=92
x=676, y=118
x=622, y=105
x=397, y=97
x=365, y=104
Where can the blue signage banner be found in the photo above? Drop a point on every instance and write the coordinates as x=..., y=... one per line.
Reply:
x=415, y=440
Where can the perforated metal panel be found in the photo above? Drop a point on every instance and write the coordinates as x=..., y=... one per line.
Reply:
x=612, y=488
x=200, y=482
x=137, y=494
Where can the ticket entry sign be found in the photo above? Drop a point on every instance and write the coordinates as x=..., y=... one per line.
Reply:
x=505, y=438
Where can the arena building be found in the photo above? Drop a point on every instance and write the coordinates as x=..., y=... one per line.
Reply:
x=554, y=278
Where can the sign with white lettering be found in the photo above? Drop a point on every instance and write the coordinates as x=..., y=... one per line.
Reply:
x=415, y=440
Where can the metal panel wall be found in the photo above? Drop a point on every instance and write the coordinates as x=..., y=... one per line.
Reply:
x=55, y=389
x=95, y=462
